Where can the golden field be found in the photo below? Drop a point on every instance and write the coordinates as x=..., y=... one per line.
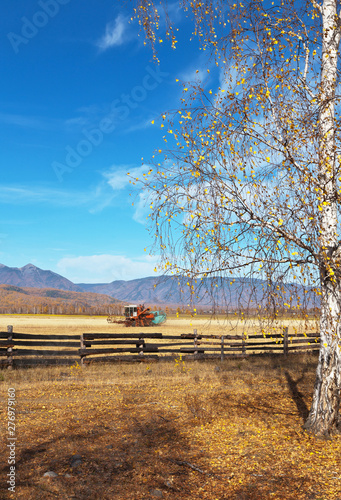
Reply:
x=74, y=325
x=192, y=430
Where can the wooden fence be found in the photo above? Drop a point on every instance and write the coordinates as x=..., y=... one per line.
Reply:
x=20, y=349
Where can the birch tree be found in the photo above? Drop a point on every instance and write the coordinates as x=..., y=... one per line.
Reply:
x=249, y=179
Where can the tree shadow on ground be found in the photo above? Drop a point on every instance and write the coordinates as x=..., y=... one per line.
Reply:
x=280, y=486
x=297, y=396
x=146, y=456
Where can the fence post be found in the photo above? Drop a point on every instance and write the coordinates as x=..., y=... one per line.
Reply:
x=82, y=347
x=243, y=345
x=222, y=348
x=285, y=341
x=195, y=342
x=10, y=348
x=141, y=346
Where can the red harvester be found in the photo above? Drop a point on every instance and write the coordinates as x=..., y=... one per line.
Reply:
x=139, y=316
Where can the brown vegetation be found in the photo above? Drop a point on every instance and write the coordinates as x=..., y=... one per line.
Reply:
x=24, y=300
x=171, y=430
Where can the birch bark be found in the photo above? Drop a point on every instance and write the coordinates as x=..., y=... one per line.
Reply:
x=324, y=416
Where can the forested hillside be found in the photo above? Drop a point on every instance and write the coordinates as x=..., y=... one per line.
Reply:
x=24, y=300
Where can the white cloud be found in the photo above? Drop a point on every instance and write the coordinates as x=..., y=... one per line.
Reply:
x=26, y=121
x=23, y=195
x=200, y=71
x=142, y=206
x=125, y=177
x=194, y=75
x=87, y=116
x=106, y=268
x=114, y=187
x=120, y=177
x=115, y=33
x=77, y=122
x=142, y=125
x=94, y=200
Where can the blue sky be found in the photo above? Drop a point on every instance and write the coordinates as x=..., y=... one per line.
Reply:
x=79, y=90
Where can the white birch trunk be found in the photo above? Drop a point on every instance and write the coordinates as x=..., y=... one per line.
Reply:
x=324, y=416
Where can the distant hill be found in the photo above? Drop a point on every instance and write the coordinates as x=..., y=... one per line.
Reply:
x=150, y=290
x=14, y=299
x=178, y=291
x=32, y=276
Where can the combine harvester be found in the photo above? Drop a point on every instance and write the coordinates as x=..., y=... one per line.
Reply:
x=139, y=316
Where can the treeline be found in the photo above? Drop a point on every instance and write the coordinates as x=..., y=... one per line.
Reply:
x=17, y=300
x=20, y=300
x=281, y=312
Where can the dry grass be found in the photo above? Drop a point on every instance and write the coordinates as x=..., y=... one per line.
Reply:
x=74, y=325
x=193, y=430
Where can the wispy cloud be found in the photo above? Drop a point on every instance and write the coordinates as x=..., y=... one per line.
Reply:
x=86, y=116
x=142, y=206
x=28, y=195
x=143, y=125
x=126, y=177
x=17, y=222
x=93, y=200
x=106, y=268
x=194, y=75
x=26, y=121
x=78, y=122
x=116, y=33
x=199, y=71
x=113, y=187
x=122, y=176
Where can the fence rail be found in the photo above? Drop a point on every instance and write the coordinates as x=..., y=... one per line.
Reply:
x=20, y=349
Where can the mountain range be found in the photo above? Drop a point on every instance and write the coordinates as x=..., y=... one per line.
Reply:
x=166, y=290
x=140, y=290
x=34, y=277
